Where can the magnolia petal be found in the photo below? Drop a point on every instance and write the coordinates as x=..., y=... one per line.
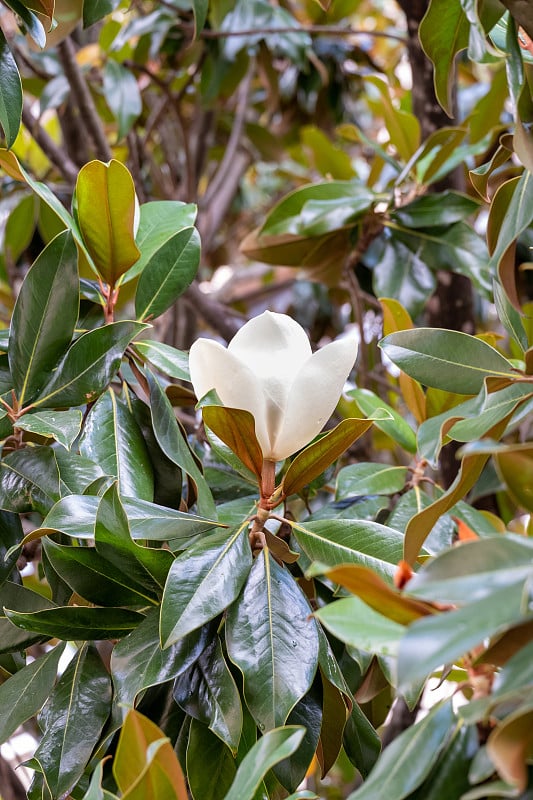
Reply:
x=273, y=345
x=314, y=393
x=213, y=367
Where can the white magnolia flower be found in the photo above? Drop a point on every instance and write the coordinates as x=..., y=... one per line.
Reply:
x=269, y=370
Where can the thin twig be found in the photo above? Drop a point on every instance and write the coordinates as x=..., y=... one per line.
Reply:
x=80, y=90
x=311, y=30
x=56, y=154
x=219, y=317
x=225, y=166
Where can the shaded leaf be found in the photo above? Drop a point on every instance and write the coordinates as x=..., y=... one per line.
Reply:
x=205, y=748
x=208, y=693
x=122, y=95
x=29, y=480
x=444, y=31
x=74, y=719
x=112, y=438
x=236, y=428
x=391, y=422
x=63, y=426
x=77, y=622
x=44, y=317
x=10, y=93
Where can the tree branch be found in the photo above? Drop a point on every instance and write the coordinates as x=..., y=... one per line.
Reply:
x=219, y=317
x=78, y=85
x=57, y=155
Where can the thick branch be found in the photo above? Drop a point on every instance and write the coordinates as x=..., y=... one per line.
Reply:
x=56, y=154
x=80, y=90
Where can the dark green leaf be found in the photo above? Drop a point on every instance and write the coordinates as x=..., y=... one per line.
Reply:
x=77, y=622
x=76, y=473
x=510, y=318
x=25, y=692
x=445, y=359
x=112, y=439
x=15, y=596
x=173, y=443
x=204, y=581
x=147, y=566
x=11, y=536
x=200, y=9
x=93, y=577
x=97, y=10
x=274, y=642
x=44, y=317
x=208, y=693
x=361, y=741
x=206, y=748
x=29, y=480
x=399, y=272
x=444, y=32
x=74, y=719
x=160, y=220
x=10, y=93
x=88, y=366
x=138, y=662
x=30, y=21
x=308, y=713
x=432, y=210
x=168, y=272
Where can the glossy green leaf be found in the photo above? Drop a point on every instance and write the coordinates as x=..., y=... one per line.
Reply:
x=122, y=95
x=432, y=210
x=445, y=359
x=88, y=366
x=397, y=428
x=146, y=566
x=10, y=93
x=271, y=748
x=112, y=438
x=25, y=692
x=75, y=515
x=44, y=317
x=93, y=577
x=77, y=622
x=308, y=713
x=159, y=221
x=236, y=428
x=444, y=32
x=166, y=359
x=76, y=473
x=173, y=443
x=145, y=766
x=205, y=748
x=208, y=693
x=317, y=457
x=349, y=541
x=105, y=200
x=11, y=536
x=30, y=21
x=14, y=639
x=138, y=662
x=362, y=743
x=74, y=718
x=398, y=773
x=368, y=478
x=274, y=642
x=63, y=426
x=497, y=406
x=442, y=639
x=398, y=272
x=204, y=581
x=168, y=272
x=357, y=624
x=29, y=480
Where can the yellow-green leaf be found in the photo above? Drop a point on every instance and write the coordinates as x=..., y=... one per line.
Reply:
x=105, y=196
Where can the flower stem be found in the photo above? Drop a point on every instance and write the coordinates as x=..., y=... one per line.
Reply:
x=268, y=482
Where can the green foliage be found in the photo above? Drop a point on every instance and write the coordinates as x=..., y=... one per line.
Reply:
x=179, y=614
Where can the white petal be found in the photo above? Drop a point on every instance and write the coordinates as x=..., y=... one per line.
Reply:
x=213, y=367
x=271, y=344
x=314, y=393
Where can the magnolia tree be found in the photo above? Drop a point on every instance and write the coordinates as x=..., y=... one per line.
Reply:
x=231, y=571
